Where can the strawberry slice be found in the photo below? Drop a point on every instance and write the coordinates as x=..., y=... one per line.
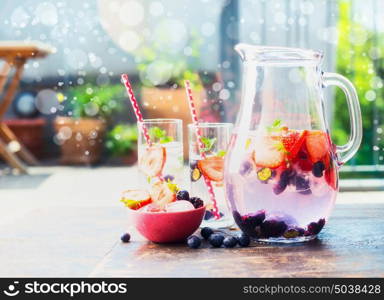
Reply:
x=317, y=145
x=270, y=152
x=152, y=161
x=135, y=199
x=162, y=193
x=292, y=141
x=331, y=178
x=212, y=168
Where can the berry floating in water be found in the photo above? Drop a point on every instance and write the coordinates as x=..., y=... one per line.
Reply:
x=246, y=168
x=194, y=242
x=125, y=238
x=206, y=232
x=318, y=168
x=281, y=185
x=182, y=195
x=243, y=240
x=264, y=174
x=216, y=240
x=230, y=242
x=302, y=185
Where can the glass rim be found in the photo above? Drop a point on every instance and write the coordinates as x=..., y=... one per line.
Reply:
x=211, y=125
x=161, y=121
x=274, y=55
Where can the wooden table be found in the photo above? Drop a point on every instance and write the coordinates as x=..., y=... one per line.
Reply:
x=350, y=245
x=15, y=54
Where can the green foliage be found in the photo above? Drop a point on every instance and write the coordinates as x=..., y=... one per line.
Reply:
x=90, y=101
x=355, y=59
x=158, y=67
x=122, y=139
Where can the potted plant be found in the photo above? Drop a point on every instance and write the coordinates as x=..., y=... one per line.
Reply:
x=162, y=75
x=121, y=143
x=81, y=133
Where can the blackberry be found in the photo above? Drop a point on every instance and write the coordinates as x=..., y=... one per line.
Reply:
x=182, y=195
x=273, y=228
x=196, y=202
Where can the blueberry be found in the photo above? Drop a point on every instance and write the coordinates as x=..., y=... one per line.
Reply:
x=318, y=168
x=194, y=242
x=273, y=228
x=216, y=240
x=125, y=238
x=302, y=185
x=208, y=215
x=196, y=202
x=193, y=164
x=206, y=232
x=182, y=195
x=245, y=168
x=230, y=242
x=168, y=178
x=243, y=240
x=315, y=227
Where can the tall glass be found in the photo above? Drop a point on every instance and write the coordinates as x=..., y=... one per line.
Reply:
x=163, y=159
x=215, y=139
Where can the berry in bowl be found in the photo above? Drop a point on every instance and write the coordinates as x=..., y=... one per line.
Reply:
x=164, y=214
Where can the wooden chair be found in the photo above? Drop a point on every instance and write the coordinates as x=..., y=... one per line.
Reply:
x=15, y=54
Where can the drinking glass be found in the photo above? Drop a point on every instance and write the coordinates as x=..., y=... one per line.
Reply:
x=163, y=159
x=209, y=162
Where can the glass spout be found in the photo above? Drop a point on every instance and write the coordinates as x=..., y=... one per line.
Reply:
x=267, y=55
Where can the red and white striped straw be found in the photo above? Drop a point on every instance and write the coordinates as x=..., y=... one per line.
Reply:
x=139, y=116
x=195, y=121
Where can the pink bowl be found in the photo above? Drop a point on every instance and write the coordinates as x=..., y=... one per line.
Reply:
x=167, y=227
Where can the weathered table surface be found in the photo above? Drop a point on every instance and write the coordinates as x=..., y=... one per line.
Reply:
x=350, y=245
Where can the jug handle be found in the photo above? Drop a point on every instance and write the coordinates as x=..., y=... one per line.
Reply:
x=346, y=152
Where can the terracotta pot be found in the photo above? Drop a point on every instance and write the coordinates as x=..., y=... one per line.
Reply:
x=171, y=104
x=81, y=140
x=128, y=159
x=30, y=132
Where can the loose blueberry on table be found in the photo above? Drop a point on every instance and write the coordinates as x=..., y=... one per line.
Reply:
x=218, y=239
x=125, y=238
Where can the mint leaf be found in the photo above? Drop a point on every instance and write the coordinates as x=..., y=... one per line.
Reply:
x=166, y=139
x=160, y=135
x=208, y=143
x=275, y=127
x=156, y=132
x=276, y=123
x=221, y=153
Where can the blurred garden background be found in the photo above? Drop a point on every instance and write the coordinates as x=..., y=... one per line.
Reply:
x=70, y=107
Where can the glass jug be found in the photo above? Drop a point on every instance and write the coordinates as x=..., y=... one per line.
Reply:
x=281, y=169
